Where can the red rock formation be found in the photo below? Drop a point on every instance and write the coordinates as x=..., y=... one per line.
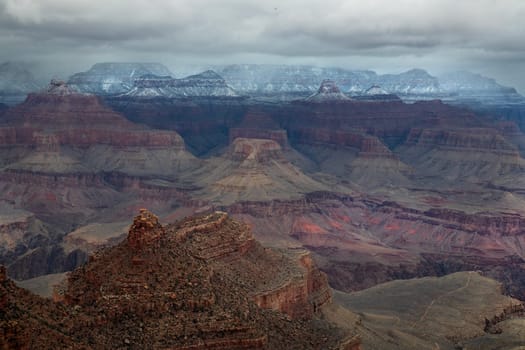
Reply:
x=144, y=230
x=365, y=241
x=186, y=293
x=31, y=322
x=390, y=121
x=301, y=296
x=77, y=120
x=260, y=150
x=299, y=291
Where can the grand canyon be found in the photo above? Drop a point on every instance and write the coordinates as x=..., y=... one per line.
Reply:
x=271, y=206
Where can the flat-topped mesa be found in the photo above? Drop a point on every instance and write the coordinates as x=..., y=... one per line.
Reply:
x=205, y=84
x=258, y=150
x=144, y=230
x=153, y=81
x=328, y=92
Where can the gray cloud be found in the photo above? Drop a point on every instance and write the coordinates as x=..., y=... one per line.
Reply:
x=436, y=34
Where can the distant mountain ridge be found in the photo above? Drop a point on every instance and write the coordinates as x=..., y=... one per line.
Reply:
x=253, y=78
x=114, y=77
x=281, y=82
x=205, y=84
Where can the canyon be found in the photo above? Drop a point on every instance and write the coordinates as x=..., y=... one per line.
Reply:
x=342, y=188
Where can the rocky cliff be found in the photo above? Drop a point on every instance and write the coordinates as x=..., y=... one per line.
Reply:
x=363, y=241
x=480, y=153
x=67, y=157
x=74, y=132
x=177, y=286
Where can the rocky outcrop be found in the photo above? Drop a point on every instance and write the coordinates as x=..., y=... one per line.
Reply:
x=64, y=132
x=144, y=230
x=390, y=121
x=297, y=289
x=328, y=93
x=261, y=151
x=29, y=321
x=512, y=311
x=472, y=138
x=189, y=291
x=303, y=295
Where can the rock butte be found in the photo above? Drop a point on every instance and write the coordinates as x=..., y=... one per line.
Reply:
x=200, y=283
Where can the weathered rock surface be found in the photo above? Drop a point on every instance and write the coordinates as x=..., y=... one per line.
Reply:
x=62, y=131
x=480, y=153
x=178, y=287
x=66, y=159
x=253, y=169
x=363, y=242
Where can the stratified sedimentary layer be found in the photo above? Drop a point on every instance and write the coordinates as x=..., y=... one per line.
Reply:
x=253, y=169
x=479, y=153
x=178, y=286
x=364, y=241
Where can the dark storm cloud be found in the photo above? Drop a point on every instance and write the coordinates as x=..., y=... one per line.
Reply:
x=438, y=33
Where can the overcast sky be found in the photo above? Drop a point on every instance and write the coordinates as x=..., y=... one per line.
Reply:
x=485, y=36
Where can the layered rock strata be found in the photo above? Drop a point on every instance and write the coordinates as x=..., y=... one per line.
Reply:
x=195, y=284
